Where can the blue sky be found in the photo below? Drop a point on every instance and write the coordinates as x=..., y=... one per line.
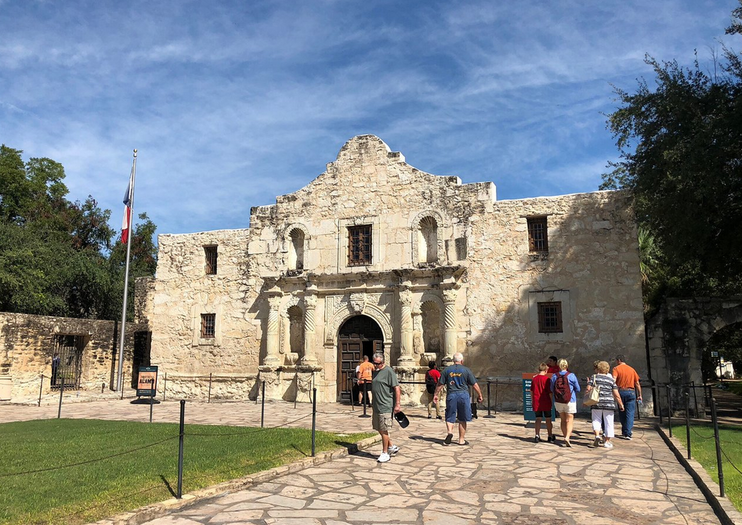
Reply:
x=231, y=103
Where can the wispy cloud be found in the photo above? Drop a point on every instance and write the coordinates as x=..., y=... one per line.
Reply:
x=232, y=103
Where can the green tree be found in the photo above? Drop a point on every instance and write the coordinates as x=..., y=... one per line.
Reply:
x=681, y=155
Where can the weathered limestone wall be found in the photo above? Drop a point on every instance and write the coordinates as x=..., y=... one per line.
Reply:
x=477, y=296
x=27, y=347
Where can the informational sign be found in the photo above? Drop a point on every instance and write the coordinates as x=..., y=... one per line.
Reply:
x=147, y=382
x=528, y=413
x=714, y=353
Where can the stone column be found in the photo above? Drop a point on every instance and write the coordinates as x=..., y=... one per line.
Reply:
x=450, y=328
x=405, y=325
x=272, y=339
x=310, y=305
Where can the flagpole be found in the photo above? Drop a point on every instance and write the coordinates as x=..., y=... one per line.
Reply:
x=120, y=372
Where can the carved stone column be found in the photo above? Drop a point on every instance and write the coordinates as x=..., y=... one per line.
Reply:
x=272, y=338
x=450, y=328
x=405, y=327
x=310, y=306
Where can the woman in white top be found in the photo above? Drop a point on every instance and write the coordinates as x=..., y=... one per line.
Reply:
x=609, y=397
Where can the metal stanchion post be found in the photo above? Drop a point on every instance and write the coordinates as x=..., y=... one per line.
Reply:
x=718, y=447
x=179, y=495
x=61, y=393
x=695, y=399
x=208, y=400
x=314, y=416
x=262, y=407
x=669, y=409
x=122, y=385
x=687, y=422
x=489, y=408
x=658, y=402
x=41, y=388
x=296, y=387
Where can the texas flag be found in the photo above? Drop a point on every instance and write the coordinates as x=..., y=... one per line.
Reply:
x=128, y=197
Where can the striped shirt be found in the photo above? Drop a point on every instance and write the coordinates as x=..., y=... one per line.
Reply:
x=607, y=384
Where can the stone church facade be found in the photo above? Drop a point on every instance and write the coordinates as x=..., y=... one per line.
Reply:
x=376, y=255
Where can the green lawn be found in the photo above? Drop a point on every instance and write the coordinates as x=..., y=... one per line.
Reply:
x=703, y=450
x=38, y=485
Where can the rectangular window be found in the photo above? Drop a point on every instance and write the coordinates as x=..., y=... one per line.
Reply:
x=538, y=240
x=359, y=245
x=211, y=257
x=550, y=318
x=208, y=326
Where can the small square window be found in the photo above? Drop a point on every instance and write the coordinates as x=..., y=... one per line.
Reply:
x=208, y=326
x=538, y=240
x=550, y=318
x=359, y=245
x=211, y=257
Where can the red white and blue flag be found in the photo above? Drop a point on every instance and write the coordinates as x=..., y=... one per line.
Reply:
x=128, y=197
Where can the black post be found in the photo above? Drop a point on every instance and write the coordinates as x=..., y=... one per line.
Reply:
x=122, y=385
x=151, y=404
x=669, y=410
x=496, y=396
x=262, y=407
x=164, y=388
x=352, y=395
x=489, y=408
x=208, y=400
x=179, y=495
x=41, y=388
x=296, y=387
x=718, y=447
x=695, y=399
x=687, y=422
x=658, y=401
x=61, y=393
x=314, y=416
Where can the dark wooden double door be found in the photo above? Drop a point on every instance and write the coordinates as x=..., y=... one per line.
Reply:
x=359, y=336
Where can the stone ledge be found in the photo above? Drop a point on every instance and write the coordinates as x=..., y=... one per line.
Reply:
x=723, y=508
x=156, y=510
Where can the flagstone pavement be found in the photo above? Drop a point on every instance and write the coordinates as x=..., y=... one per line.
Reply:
x=501, y=476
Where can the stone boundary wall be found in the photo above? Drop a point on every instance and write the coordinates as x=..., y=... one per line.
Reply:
x=27, y=347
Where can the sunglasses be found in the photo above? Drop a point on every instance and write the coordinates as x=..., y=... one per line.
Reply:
x=378, y=364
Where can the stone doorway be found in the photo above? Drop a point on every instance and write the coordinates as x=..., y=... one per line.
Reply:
x=358, y=336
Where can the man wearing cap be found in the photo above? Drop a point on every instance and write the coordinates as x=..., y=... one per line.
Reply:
x=630, y=390
x=457, y=378
x=385, y=393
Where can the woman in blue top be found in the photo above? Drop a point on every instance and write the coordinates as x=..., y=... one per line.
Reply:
x=566, y=407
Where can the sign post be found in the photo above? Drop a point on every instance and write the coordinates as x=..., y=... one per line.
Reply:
x=147, y=385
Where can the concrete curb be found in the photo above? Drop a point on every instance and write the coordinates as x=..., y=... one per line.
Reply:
x=723, y=508
x=156, y=510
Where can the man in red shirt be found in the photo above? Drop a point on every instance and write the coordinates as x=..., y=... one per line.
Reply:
x=541, y=401
x=552, y=364
x=630, y=391
x=432, y=378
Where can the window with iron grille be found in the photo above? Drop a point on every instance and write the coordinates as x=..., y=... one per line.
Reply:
x=538, y=240
x=208, y=326
x=359, y=245
x=550, y=317
x=211, y=257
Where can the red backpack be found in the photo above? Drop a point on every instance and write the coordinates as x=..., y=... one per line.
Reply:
x=562, y=390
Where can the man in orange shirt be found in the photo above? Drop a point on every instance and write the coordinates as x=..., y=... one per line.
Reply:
x=630, y=391
x=365, y=374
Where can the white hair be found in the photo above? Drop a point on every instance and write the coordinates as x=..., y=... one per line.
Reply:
x=458, y=357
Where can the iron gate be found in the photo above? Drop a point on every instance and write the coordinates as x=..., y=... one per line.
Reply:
x=67, y=361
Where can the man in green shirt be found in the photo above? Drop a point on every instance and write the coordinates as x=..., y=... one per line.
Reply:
x=385, y=394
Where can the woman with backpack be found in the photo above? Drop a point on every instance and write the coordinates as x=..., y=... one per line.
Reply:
x=564, y=386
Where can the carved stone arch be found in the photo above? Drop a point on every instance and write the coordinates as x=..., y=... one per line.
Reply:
x=372, y=311
x=422, y=235
x=295, y=241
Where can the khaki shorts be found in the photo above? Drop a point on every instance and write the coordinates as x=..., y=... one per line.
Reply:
x=382, y=422
x=566, y=408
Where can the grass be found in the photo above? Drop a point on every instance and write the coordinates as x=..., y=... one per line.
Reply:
x=703, y=450
x=120, y=465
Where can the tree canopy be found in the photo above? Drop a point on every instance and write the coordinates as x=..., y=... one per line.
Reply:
x=59, y=257
x=680, y=144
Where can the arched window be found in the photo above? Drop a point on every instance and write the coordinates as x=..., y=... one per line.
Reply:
x=296, y=249
x=427, y=235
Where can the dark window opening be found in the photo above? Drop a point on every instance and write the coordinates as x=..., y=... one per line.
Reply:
x=208, y=326
x=538, y=240
x=359, y=245
x=550, y=318
x=211, y=258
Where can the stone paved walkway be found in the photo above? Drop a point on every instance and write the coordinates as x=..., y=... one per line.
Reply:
x=501, y=477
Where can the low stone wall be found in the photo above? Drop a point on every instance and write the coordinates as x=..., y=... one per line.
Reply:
x=27, y=344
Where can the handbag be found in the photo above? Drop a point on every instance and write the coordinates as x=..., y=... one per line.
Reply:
x=592, y=397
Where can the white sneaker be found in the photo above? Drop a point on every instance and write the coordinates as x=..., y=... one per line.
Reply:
x=393, y=450
x=384, y=457
x=608, y=445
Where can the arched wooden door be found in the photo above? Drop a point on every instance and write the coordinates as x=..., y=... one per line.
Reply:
x=358, y=336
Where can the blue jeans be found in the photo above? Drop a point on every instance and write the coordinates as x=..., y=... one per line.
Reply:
x=628, y=397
